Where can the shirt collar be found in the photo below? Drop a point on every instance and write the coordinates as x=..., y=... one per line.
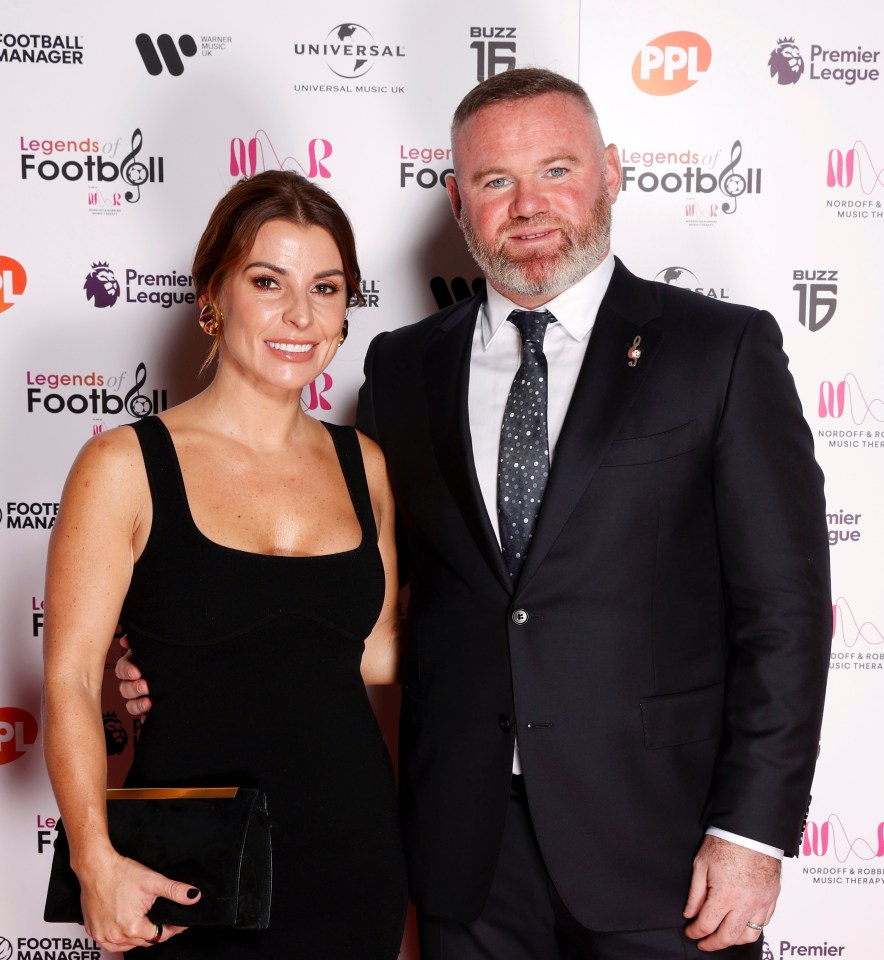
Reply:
x=575, y=308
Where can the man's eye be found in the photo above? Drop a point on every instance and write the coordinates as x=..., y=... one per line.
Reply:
x=497, y=182
x=557, y=171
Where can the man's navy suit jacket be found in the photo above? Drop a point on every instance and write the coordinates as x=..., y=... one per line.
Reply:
x=671, y=670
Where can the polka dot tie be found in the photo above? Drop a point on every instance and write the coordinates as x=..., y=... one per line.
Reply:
x=523, y=464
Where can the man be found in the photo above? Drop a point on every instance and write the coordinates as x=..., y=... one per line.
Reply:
x=611, y=710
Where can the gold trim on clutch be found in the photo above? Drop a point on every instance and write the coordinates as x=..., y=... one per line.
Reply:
x=173, y=793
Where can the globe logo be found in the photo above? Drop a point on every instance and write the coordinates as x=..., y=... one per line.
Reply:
x=350, y=50
x=678, y=277
x=5, y=949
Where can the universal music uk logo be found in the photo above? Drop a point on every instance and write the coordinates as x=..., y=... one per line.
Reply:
x=153, y=56
x=350, y=51
x=101, y=286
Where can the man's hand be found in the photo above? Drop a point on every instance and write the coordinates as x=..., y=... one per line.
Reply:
x=133, y=687
x=731, y=886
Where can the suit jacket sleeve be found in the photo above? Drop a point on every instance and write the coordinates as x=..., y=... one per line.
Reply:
x=770, y=515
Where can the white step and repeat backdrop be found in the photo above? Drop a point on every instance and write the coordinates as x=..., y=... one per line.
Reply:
x=752, y=147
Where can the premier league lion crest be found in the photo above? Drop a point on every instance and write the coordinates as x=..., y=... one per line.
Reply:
x=786, y=62
x=101, y=286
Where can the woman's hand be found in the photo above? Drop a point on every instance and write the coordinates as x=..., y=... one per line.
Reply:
x=116, y=896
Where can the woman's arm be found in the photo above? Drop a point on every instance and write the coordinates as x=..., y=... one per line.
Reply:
x=104, y=512
x=382, y=657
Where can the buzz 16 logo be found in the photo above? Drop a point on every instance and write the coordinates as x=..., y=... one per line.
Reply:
x=495, y=50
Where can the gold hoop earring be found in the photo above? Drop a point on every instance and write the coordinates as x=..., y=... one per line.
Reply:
x=209, y=321
x=344, y=331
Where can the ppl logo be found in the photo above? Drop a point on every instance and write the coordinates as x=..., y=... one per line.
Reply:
x=671, y=64
x=248, y=157
x=165, y=48
x=18, y=730
x=786, y=62
x=13, y=281
x=101, y=286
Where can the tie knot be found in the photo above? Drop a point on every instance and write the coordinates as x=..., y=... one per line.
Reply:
x=532, y=324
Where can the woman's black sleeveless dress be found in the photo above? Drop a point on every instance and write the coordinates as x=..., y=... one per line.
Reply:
x=253, y=664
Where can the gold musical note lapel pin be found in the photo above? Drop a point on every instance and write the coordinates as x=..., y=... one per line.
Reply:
x=634, y=353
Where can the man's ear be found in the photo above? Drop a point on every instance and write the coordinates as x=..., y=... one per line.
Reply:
x=453, y=196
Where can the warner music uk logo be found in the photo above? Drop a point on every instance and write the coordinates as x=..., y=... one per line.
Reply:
x=817, y=297
x=448, y=292
x=13, y=281
x=101, y=286
x=672, y=63
x=86, y=163
x=18, y=731
x=257, y=154
x=849, y=65
x=165, y=52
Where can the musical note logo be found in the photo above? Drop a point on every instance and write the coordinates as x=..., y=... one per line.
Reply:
x=732, y=184
x=133, y=171
x=137, y=404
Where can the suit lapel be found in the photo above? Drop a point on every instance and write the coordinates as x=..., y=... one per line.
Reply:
x=446, y=369
x=603, y=394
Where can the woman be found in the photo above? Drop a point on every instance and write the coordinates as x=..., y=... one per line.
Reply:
x=245, y=543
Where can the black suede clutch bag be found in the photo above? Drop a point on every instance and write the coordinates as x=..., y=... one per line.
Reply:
x=216, y=839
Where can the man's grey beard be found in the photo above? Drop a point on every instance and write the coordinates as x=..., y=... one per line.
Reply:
x=550, y=274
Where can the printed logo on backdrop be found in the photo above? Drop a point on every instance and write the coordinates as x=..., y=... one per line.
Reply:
x=165, y=290
x=115, y=737
x=786, y=62
x=350, y=51
x=672, y=63
x=36, y=611
x=687, y=280
x=791, y=949
x=5, y=949
x=29, y=515
x=257, y=154
x=101, y=286
x=860, y=415
x=41, y=48
x=857, y=644
x=849, y=66
x=94, y=393
x=710, y=186
x=817, y=297
x=855, y=171
x=13, y=281
x=843, y=854
x=164, y=52
x=111, y=173
x=448, y=292
x=415, y=169
x=54, y=948
x=18, y=731
x=495, y=50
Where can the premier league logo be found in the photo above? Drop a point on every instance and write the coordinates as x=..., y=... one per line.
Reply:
x=101, y=286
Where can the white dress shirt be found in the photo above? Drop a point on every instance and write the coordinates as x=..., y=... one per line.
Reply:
x=496, y=355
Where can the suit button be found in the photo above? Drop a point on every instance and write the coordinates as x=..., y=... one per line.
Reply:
x=520, y=617
x=505, y=723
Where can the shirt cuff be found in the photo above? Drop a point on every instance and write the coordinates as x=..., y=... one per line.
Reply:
x=774, y=852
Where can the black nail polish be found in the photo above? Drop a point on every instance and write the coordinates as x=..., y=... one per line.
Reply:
x=192, y=893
